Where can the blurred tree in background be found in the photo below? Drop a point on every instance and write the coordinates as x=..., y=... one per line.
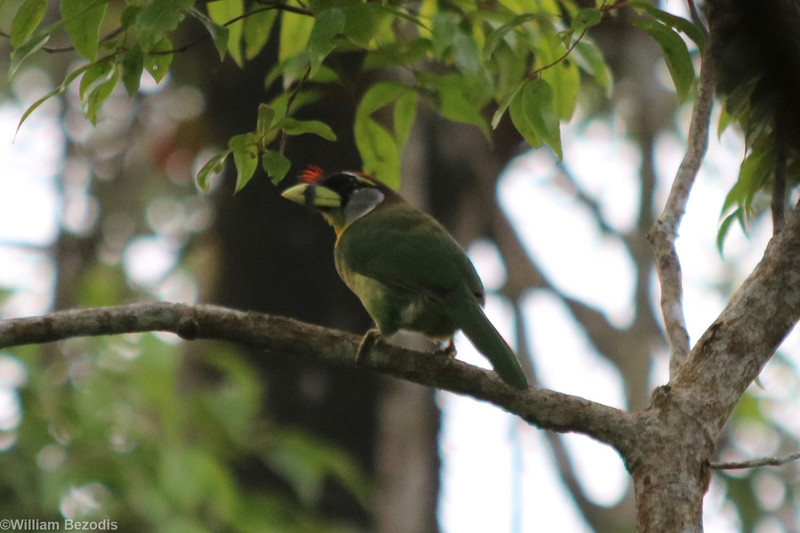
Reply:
x=155, y=100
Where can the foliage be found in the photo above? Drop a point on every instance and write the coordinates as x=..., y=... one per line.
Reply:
x=524, y=58
x=116, y=416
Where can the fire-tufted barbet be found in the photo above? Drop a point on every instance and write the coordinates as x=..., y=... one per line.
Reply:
x=406, y=269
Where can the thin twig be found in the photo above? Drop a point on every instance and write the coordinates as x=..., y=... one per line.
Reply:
x=755, y=463
x=665, y=230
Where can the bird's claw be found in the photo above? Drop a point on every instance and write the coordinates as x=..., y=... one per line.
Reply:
x=371, y=338
x=448, y=352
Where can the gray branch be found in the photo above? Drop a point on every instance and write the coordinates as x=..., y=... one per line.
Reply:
x=665, y=230
x=543, y=408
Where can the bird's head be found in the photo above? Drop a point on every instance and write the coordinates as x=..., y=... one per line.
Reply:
x=342, y=197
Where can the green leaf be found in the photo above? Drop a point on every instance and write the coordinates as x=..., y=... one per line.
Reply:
x=327, y=25
x=276, y=165
x=295, y=31
x=465, y=53
x=25, y=21
x=378, y=149
x=159, y=59
x=589, y=57
x=562, y=76
x=222, y=12
x=82, y=21
x=266, y=119
x=132, y=68
x=220, y=35
x=495, y=37
x=455, y=106
x=96, y=86
x=72, y=76
x=244, y=148
x=398, y=53
x=292, y=126
x=155, y=20
x=535, y=118
x=725, y=119
x=213, y=166
x=519, y=118
x=694, y=32
x=256, y=31
x=725, y=226
x=361, y=22
x=379, y=95
x=676, y=55
x=503, y=106
x=585, y=19
x=29, y=47
x=405, y=111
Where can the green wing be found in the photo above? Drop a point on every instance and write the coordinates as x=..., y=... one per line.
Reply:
x=400, y=246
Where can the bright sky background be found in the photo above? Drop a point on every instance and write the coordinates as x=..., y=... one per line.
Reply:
x=498, y=472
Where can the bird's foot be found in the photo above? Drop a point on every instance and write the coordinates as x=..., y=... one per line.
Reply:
x=371, y=338
x=447, y=352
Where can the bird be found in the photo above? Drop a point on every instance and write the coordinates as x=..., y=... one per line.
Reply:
x=403, y=265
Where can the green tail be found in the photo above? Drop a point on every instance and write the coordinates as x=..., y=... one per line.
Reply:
x=466, y=312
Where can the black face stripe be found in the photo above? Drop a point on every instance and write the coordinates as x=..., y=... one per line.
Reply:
x=309, y=193
x=346, y=183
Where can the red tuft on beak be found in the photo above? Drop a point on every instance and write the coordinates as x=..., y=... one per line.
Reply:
x=312, y=174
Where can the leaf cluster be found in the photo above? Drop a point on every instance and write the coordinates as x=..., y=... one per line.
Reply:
x=472, y=63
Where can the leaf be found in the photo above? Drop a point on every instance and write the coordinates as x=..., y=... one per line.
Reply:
x=676, y=55
x=82, y=21
x=361, y=22
x=96, y=86
x=533, y=110
x=725, y=119
x=503, y=106
x=465, y=53
x=519, y=118
x=454, y=105
x=213, y=166
x=159, y=59
x=25, y=21
x=132, y=68
x=31, y=46
x=585, y=19
x=72, y=76
x=276, y=165
x=256, y=31
x=222, y=12
x=589, y=57
x=495, y=37
x=295, y=31
x=155, y=20
x=725, y=226
x=327, y=25
x=378, y=149
x=694, y=32
x=292, y=126
x=562, y=76
x=266, y=118
x=398, y=53
x=405, y=111
x=244, y=148
x=220, y=35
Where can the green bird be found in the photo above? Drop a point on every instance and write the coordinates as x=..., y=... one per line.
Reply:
x=406, y=269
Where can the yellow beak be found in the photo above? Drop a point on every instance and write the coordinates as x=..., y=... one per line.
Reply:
x=312, y=195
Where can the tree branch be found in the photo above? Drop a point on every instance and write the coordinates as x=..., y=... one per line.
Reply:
x=754, y=463
x=665, y=230
x=543, y=408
